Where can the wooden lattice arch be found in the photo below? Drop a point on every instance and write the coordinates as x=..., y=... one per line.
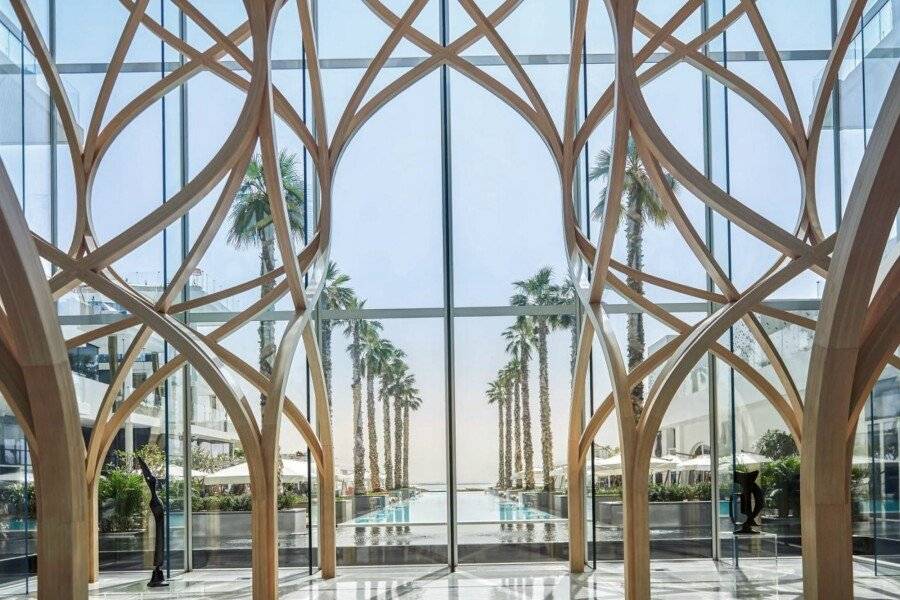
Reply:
x=89, y=260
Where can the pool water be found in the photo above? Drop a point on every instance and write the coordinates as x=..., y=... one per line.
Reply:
x=471, y=506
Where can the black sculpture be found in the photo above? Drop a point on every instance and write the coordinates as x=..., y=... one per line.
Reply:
x=157, y=579
x=751, y=499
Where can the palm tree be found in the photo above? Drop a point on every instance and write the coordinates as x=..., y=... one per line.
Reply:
x=520, y=340
x=393, y=369
x=512, y=382
x=411, y=402
x=402, y=383
x=354, y=330
x=508, y=377
x=375, y=352
x=642, y=203
x=495, y=395
x=251, y=225
x=566, y=295
x=539, y=290
x=336, y=294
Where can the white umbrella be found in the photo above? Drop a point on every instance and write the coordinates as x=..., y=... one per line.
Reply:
x=702, y=462
x=744, y=459
x=178, y=473
x=698, y=463
x=613, y=465
x=293, y=471
x=537, y=474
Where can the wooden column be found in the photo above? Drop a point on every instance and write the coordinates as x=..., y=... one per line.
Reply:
x=830, y=411
x=93, y=531
x=47, y=407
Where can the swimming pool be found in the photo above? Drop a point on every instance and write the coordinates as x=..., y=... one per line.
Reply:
x=430, y=508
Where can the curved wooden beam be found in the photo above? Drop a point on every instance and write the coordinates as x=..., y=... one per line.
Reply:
x=46, y=386
x=825, y=468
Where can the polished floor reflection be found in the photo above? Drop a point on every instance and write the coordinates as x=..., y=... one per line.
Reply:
x=695, y=579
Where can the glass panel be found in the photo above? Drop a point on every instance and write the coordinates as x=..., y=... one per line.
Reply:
x=883, y=417
x=18, y=511
x=390, y=441
x=513, y=388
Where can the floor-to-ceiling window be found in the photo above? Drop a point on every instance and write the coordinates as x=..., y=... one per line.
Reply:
x=447, y=324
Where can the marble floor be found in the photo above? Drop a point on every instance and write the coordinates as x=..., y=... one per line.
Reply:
x=694, y=579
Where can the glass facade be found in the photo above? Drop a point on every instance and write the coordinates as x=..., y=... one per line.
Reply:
x=447, y=327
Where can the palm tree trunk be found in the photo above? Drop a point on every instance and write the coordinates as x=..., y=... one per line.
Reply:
x=507, y=456
x=406, y=446
x=544, y=392
x=528, y=449
x=398, y=444
x=374, y=468
x=573, y=348
x=325, y=343
x=266, y=328
x=517, y=422
x=359, y=452
x=500, y=450
x=386, y=412
x=634, y=240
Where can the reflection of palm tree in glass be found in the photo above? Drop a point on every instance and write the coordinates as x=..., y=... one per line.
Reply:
x=336, y=295
x=251, y=225
x=539, y=290
x=495, y=395
x=641, y=204
x=520, y=341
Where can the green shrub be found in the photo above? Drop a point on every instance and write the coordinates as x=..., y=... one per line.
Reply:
x=673, y=492
x=703, y=490
x=288, y=500
x=16, y=498
x=209, y=503
x=776, y=444
x=666, y=492
x=780, y=482
x=233, y=502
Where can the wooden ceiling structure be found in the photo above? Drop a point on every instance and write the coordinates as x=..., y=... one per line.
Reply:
x=856, y=336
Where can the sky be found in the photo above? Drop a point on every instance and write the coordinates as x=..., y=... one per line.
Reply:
x=388, y=195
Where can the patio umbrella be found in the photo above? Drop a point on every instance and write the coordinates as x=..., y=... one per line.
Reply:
x=698, y=463
x=343, y=478
x=613, y=465
x=537, y=473
x=744, y=459
x=293, y=471
x=178, y=473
